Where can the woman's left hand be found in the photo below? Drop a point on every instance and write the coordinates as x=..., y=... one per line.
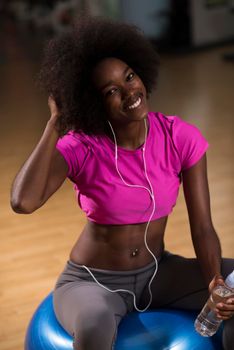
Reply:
x=223, y=310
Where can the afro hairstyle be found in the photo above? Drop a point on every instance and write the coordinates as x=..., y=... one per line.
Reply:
x=69, y=60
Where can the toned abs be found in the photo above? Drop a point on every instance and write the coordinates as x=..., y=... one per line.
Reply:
x=118, y=247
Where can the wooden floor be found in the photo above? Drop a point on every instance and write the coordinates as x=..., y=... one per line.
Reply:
x=34, y=248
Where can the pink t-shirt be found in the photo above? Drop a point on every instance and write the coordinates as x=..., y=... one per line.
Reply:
x=172, y=146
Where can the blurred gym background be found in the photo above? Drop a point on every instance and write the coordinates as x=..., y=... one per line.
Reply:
x=195, y=39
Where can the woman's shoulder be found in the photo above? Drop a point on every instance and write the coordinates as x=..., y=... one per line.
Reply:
x=76, y=139
x=185, y=137
x=167, y=119
x=175, y=124
x=75, y=148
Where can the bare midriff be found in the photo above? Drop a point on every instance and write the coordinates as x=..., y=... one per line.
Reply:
x=118, y=247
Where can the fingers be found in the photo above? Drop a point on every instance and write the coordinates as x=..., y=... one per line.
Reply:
x=53, y=107
x=224, y=311
x=217, y=280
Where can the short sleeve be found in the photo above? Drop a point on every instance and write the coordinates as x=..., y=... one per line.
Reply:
x=74, y=153
x=189, y=141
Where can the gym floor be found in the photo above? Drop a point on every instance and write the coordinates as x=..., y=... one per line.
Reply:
x=34, y=248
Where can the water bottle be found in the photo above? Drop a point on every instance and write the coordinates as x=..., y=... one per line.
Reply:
x=206, y=322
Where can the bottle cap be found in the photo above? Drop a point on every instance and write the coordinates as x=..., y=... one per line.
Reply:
x=230, y=280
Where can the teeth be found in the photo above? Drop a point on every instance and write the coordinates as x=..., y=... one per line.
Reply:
x=136, y=104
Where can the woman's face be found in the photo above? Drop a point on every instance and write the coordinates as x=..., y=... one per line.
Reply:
x=123, y=92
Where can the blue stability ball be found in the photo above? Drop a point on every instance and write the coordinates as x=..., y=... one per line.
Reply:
x=160, y=329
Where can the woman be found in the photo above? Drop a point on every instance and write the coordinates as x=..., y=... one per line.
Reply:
x=127, y=165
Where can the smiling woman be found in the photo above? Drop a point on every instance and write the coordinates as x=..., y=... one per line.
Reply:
x=125, y=100
x=124, y=87
x=127, y=165
x=68, y=64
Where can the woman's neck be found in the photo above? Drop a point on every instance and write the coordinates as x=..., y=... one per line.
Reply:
x=130, y=136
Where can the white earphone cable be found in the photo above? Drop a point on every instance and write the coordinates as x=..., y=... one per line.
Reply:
x=146, y=229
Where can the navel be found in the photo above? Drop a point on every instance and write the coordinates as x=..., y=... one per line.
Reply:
x=135, y=252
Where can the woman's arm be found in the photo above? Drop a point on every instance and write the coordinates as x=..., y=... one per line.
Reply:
x=205, y=239
x=43, y=172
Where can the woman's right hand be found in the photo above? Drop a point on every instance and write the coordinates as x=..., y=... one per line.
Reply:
x=54, y=111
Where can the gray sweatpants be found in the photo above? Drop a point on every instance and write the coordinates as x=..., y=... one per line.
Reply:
x=92, y=314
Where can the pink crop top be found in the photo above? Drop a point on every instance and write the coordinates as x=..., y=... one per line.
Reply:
x=172, y=146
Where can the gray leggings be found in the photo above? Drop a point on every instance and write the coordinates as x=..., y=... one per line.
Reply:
x=92, y=314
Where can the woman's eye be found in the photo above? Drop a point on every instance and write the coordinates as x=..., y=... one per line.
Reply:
x=130, y=76
x=111, y=92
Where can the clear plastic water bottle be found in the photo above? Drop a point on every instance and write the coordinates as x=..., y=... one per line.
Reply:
x=206, y=322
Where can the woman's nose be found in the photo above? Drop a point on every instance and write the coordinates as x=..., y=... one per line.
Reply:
x=128, y=93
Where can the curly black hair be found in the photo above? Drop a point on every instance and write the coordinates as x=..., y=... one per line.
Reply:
x=69, y=60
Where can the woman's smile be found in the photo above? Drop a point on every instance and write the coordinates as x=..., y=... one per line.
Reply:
x=124, y=94
x=134, y=102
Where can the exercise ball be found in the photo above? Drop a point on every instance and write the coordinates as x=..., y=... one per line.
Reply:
x=154, y=329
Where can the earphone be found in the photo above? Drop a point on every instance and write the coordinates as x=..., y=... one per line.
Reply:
x=151, y=192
